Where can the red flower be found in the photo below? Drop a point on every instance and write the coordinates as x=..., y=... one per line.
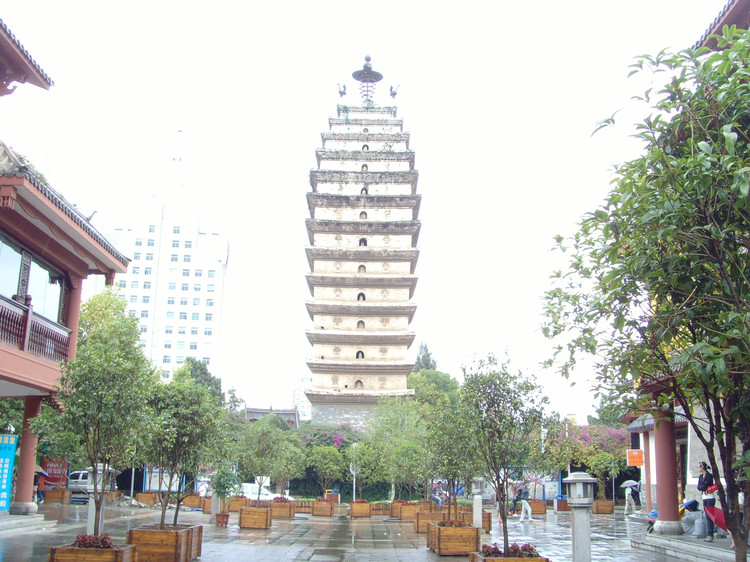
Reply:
x=93, y=541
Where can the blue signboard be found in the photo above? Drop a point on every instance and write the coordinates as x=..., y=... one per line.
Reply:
x=7, y=458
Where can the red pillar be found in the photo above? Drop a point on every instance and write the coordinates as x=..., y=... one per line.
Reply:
x=23, y=500
x=668, y=521
x=647, y=471
x=74, y=314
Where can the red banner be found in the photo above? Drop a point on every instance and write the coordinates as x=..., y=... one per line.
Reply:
x=57, y=472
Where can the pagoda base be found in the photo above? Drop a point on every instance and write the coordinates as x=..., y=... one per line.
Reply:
x=352, y=408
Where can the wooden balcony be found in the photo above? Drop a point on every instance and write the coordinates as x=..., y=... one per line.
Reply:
x=22, y=329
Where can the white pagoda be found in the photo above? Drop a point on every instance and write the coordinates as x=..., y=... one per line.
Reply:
x=363, y=231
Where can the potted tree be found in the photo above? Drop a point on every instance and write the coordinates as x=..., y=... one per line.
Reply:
x=98, y=548
x=224, y=483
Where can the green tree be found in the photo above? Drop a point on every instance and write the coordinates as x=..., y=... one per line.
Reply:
x=103, y=391
x=199, y=372
x=424, y=360
x=327, y=463
x=256, y=458
x=505, y=409
x=433, y=387
x=289, y=460
x=185, y=416
x=602, y=449
x=658, y=289
x=368, y=460
x=274, y=421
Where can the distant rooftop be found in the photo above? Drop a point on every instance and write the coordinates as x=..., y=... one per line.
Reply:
x=18, y=65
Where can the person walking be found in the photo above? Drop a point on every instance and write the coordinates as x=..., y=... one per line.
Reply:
x=525, y=507
x=706, y=481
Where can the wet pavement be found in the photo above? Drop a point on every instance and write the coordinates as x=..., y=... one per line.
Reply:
x=338, y=538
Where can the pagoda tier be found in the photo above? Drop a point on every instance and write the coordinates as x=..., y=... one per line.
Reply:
x=328, y=201
x=357, y=338
x=355, y=182
x=361, y=309
x=362, y=254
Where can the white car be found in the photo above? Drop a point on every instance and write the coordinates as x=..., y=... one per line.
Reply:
x=250, y=491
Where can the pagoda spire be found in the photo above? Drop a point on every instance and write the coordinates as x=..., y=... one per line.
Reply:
x=367, y=78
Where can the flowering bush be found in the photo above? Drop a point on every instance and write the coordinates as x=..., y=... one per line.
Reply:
x=360, y=501
x=523, y=551
x=93, y=541
x=281, y=499
x=331, y=435
x=451, y=523
x=404, y=502
x=322, y=500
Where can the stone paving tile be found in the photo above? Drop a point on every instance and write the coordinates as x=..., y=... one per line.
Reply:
x=335, y=539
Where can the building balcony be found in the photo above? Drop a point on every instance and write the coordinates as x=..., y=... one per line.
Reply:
x=26, y=331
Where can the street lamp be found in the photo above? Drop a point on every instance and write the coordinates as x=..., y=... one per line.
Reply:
x=580, y=499
x=354, y=469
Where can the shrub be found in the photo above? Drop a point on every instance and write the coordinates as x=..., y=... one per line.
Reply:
x=93, y=541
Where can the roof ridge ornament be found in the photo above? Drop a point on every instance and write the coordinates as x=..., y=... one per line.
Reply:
x=367, y=78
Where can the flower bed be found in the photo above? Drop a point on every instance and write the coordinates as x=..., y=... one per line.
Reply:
x=452, y=538
x=468, y=518
x=236, y=503
x=494, y=552
x=282, y=508
x=425, y=517
x=322, y=507
x=93, y=548
x=169, y=542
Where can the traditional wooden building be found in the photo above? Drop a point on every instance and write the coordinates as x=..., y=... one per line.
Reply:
x=363, y=231
x=47, y=248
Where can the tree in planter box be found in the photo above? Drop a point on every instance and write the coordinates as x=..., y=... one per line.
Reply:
x=104, y=393
x=505, y=410
x=224, y=484
x=288, y=460
x=327, y=463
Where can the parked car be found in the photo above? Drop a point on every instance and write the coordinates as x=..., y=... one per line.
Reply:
x=251, y=491
x=78, y=482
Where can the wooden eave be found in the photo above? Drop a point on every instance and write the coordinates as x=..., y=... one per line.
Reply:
x=362, y=281
x=345, y=110
x=362, y=309
x=392, y=228
x=17, y=65
x=367, y=122
x=360, y=366
x=326, y=200
x=409, y=177
x=42, y=220
x=367, y=137
x=734, y=12
x=365, y=156
x=362, y=254
x=338, y=337
x=340, y=397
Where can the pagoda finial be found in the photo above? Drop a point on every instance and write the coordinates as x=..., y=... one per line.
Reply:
x=367, y=78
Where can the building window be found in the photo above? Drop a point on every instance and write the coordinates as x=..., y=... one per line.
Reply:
x=138, y=242
x=186, y=273
x=181, y=330
x=361, y=269
x=188, y=244
x=166, y=359
x=193, y=345
x=360, y=354
x=167, y=329
x=206, y=360
x=170, y=315
x=361, y=297
x=149, y=257
x=122, y=284
x=131, y=313
x=150, y=243
x=133, y=298
x=207, y=332
x=209, y=302
x=196, y=302
x=199, y=273
x=174, y=258
x=363, y=215
x=180, y=359
x=144, y=328
x=180, y=345
x=175, y=230
x=136, y=256
x=363, y=241
x=363, y=191
x=364, y=167
x=183, y=315
x=358, y=384
x=195, y=316
x=144, y=313
x=210, y=288
x=170, y=300
x=193, y=331
x=136, y=270
x=209, y=317
x=148, y=271
x=197, y=287
x=365, y=147
x=173, y=286
x=145, y=299
x=186, y=258
x=175, y=243
x=134, y=284
x=167, y=345
x=211, y=273
x=185, y=287
x=152, y=228
x=360, y=324
x=183, y=301
x=147, y=284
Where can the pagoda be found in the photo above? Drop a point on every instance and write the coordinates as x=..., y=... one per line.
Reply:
x=363, y=231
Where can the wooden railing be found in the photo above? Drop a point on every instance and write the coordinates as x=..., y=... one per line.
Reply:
x=21, y=328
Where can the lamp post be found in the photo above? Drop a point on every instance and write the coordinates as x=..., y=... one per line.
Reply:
x=580, y=498
x=354, y=469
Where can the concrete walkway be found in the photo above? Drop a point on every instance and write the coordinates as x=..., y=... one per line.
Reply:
x=322, y=539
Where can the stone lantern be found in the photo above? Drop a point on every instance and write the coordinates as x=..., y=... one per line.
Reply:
x=580, y=499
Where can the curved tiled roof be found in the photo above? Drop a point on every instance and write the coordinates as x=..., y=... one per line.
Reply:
x=11, y=166
x=26, y=54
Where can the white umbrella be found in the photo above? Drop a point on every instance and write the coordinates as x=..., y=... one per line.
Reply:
x=628, y=484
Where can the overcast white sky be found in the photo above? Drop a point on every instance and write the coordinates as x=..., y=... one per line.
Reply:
x=500, y=99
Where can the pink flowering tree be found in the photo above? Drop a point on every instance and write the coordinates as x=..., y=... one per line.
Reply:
x=602, y=449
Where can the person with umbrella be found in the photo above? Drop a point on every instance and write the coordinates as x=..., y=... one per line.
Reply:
x=706, y=481
x=632, y=495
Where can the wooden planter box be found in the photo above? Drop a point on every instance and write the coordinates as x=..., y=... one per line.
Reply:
x=178, y=543
x=149, y=498
x=322, y=508
x=255, y=517
x=60, y=495
x=452, y=541
x=538, y=507
x=479, y=557
x=396, y=510
x=468, y=518
x=380, y=508
x=361, y=509
x=281, y=510
x=222, y=519
x=562, y=505
x=302, y=506
x=409, y=512
x=68, y=553
x=206, y=505
x=425, y=517
x=235, y=504
x=193, y=500
x=603, y=506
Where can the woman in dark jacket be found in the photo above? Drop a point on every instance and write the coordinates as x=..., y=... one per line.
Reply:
x=705, y=481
